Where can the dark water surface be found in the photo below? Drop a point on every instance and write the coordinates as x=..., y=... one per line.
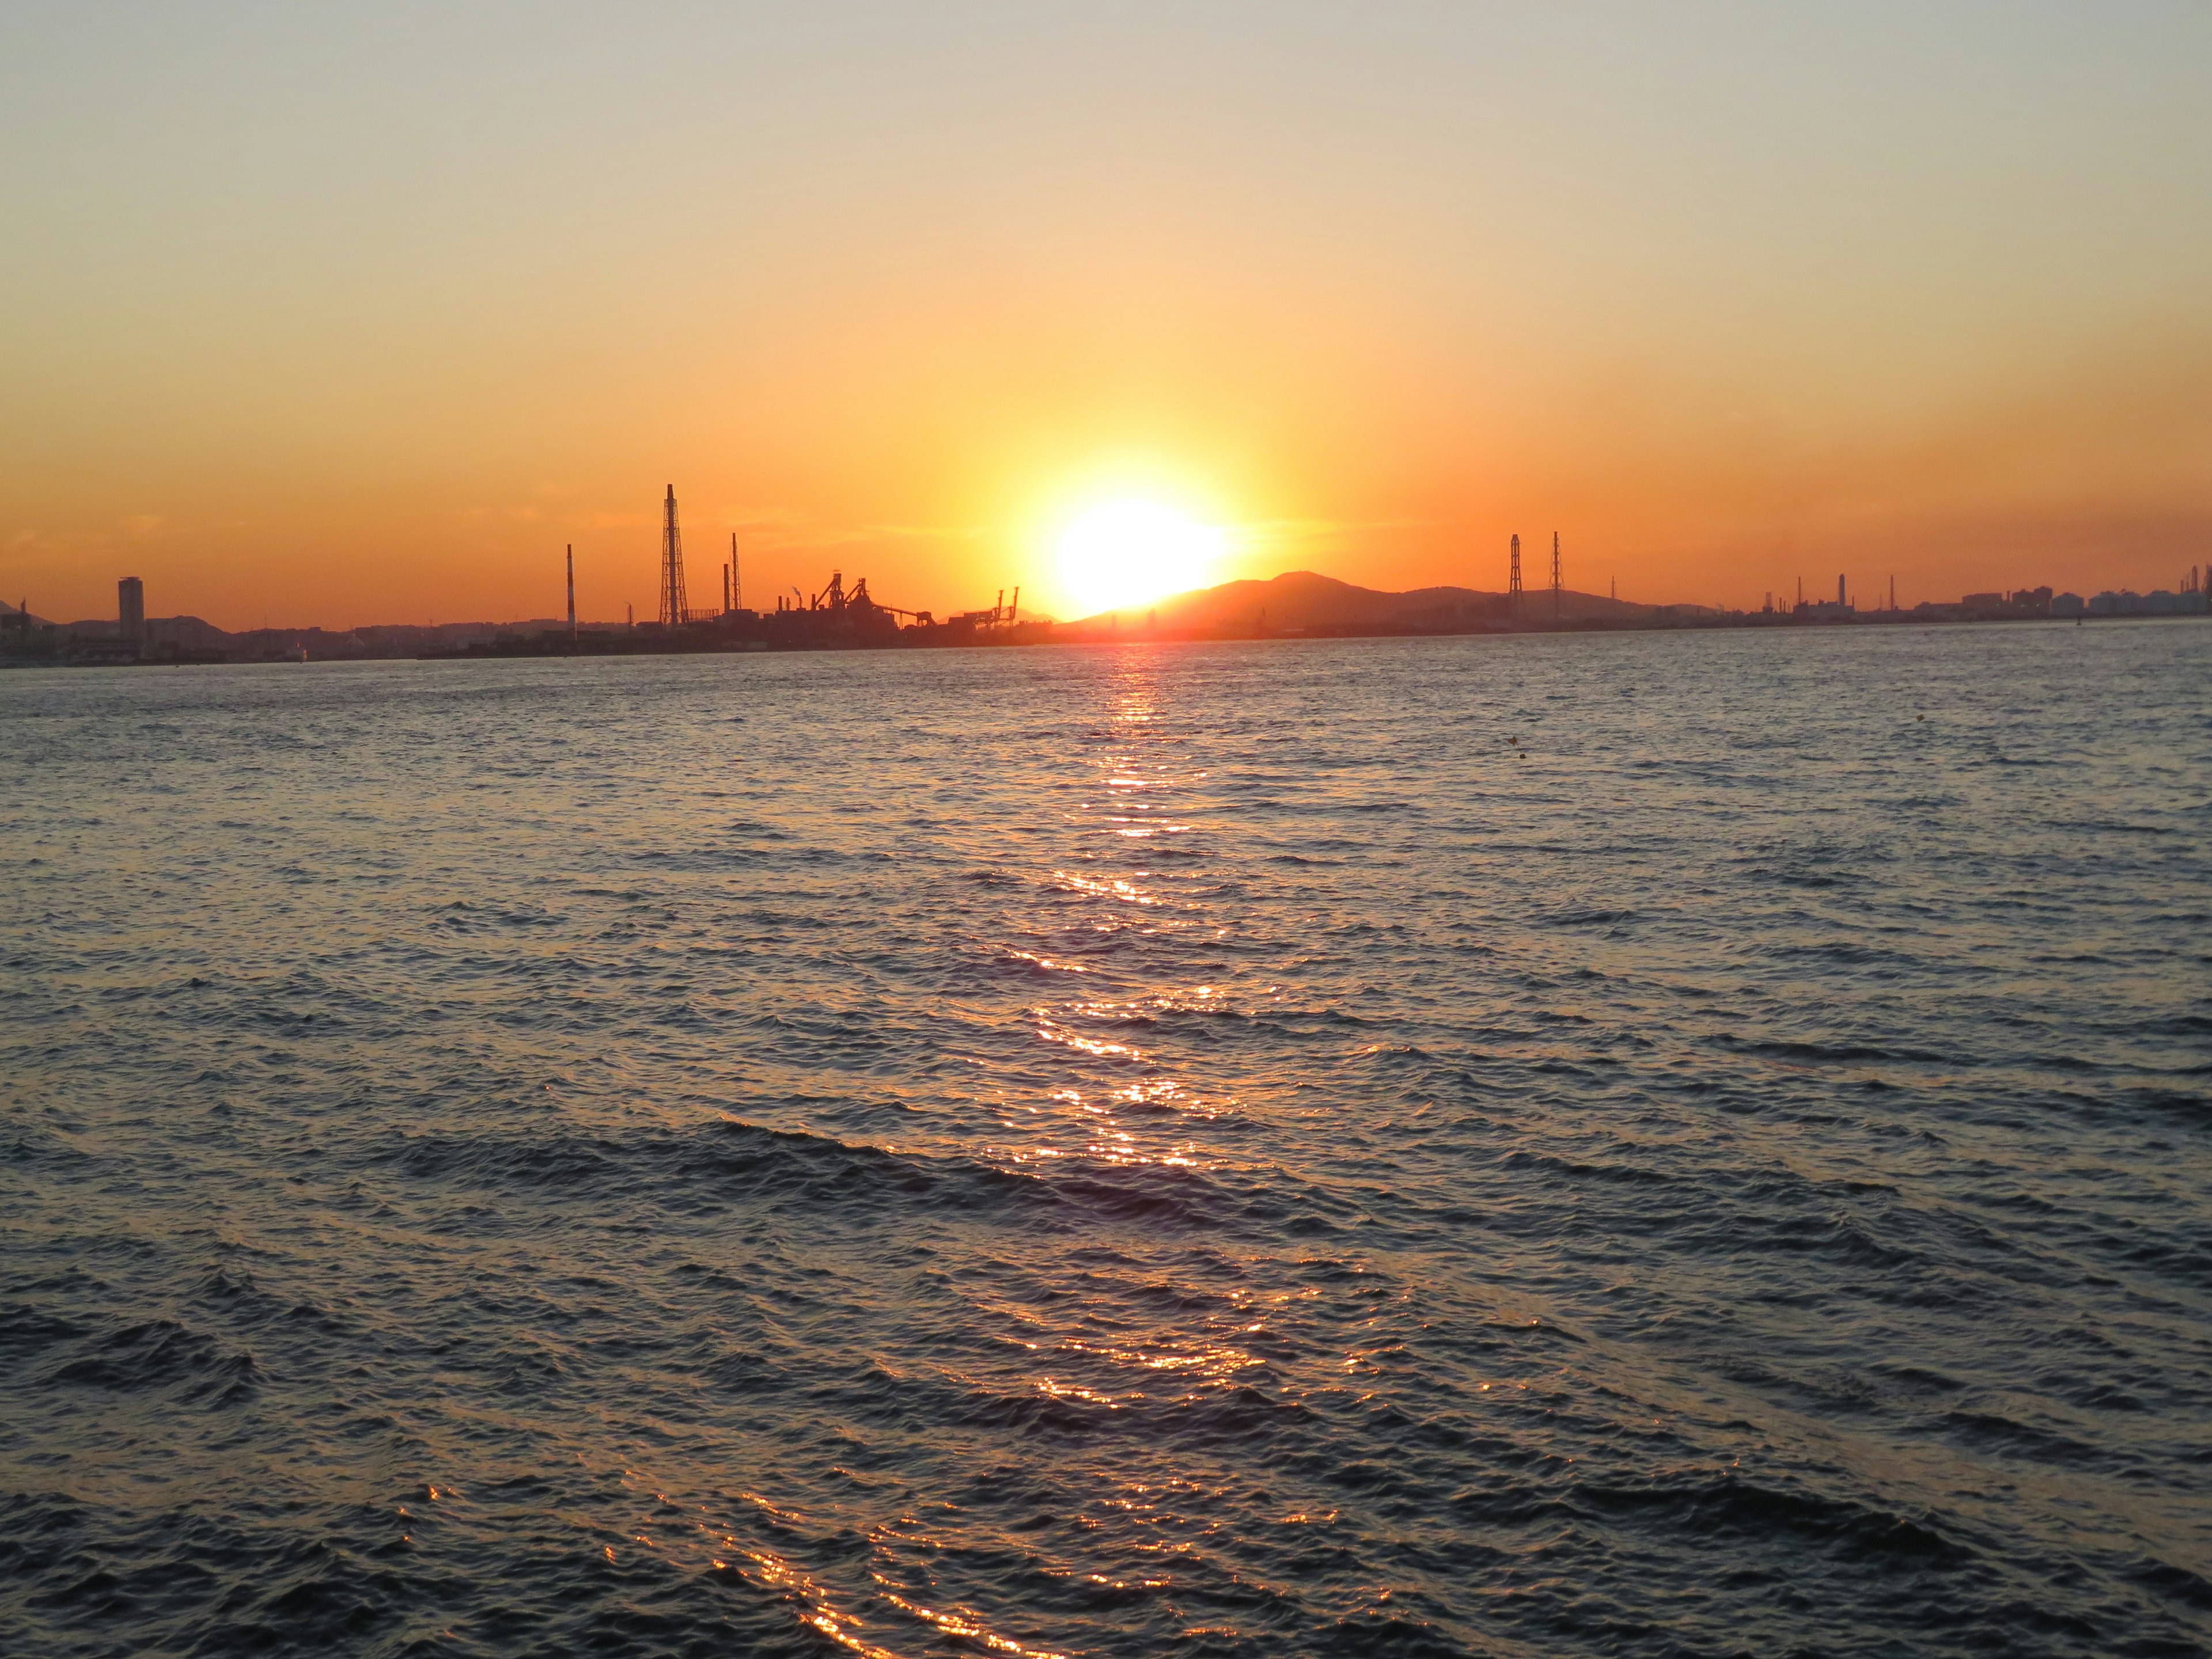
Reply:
x=1633, y=1145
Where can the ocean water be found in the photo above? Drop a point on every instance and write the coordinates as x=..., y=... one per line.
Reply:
x=1653, y=1145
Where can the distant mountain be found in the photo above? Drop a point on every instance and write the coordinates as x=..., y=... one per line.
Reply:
x=189, y=632
x=1301, y=602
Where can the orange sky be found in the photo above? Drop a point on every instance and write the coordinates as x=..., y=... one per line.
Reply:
x=315, y=321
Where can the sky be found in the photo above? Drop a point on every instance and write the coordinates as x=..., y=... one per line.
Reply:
x=341, y=314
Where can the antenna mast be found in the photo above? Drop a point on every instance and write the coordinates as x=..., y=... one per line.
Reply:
x=672, y=607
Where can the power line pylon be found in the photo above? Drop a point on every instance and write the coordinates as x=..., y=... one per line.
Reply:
x=673, y=609
x=1513, y=581
x=1555, y=575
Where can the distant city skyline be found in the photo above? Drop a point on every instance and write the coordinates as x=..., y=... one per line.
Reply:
x=130, y=611
x=131, y=624
x=339, y=314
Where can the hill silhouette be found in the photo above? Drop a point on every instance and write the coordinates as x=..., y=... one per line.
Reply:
x=1302, y=601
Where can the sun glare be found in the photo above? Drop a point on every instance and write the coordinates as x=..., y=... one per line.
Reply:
x=1125, y=553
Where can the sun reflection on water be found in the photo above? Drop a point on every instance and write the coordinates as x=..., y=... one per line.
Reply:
x=1119, y=888
x=965, y=1627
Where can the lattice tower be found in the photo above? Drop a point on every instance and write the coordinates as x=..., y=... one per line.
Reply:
x=673, y=611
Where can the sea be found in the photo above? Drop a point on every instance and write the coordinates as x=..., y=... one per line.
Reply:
x=1613, y=1144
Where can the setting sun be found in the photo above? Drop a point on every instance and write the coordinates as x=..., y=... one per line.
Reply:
x=1127, y=553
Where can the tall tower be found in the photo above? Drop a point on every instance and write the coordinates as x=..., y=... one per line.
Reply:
x=1513, y=581
x=572, y=593
x=130, y=609
x=737, y=577
x=672, y=607
x=1555, y=575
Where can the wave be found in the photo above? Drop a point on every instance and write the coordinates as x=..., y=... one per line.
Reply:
x=159, y=1356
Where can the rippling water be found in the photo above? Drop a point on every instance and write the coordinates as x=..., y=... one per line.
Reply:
x=1640, y=1145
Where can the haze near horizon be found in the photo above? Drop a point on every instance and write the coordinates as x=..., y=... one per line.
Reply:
x=336, y=319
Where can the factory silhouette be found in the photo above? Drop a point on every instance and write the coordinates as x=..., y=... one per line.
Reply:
x=1298, y=604
x=838, y=617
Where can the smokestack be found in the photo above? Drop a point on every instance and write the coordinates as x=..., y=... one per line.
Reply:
x=1839, y=593
x=572, y=593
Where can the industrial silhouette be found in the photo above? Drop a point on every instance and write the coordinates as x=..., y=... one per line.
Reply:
x=673, y=611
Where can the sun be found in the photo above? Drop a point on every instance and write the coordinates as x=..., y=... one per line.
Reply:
x=1130, y=552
